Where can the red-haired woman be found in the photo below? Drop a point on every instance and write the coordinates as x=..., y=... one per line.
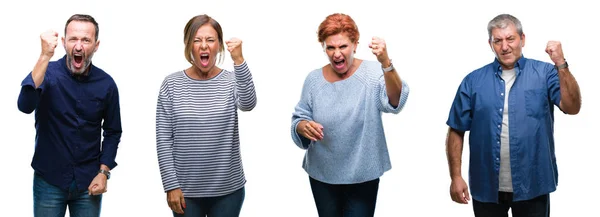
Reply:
x=338, y=120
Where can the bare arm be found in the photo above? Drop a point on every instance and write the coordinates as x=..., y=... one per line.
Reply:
x=454, y=148
x=570, y=97
x=29, y=96
x=49, y=41
x=459, y=190
x=39, y=70
x=393, y=84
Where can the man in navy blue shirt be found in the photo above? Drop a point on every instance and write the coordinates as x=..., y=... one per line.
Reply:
x=75, y=104
x=508, y=107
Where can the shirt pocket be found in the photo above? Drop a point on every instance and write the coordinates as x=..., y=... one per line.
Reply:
x=93, y=110
x=536, y=102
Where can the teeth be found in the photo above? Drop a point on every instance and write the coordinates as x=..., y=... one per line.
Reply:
x=204, y=55
x=77, y=55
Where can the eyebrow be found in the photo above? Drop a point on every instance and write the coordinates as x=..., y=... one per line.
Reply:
x=341, y=45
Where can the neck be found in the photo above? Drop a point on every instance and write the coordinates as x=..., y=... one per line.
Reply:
x=196, y=73
x=351, y=70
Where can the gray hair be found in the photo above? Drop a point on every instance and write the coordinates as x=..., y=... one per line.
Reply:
x=502, y=21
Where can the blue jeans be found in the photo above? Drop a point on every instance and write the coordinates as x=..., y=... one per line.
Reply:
x=536, y=207
x=223, y=206
x=51, y=201
x=350, y=200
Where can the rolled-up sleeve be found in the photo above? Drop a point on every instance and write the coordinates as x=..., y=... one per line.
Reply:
x=384, y=100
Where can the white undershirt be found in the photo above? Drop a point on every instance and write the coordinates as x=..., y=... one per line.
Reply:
x=505, y=177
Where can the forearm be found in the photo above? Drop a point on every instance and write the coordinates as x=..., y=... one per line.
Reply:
x=39, y=70
x=454, y=147
x=570, y=96
x=393, y=87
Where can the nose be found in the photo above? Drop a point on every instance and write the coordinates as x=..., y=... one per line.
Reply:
x=337, y=53
x=78, y=46
x=204, y=45
x=505, y=46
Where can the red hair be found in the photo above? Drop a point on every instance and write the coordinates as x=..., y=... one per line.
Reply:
x=338, y=23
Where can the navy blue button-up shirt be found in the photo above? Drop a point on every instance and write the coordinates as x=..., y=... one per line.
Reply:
x=70, y=114
x=477, y=108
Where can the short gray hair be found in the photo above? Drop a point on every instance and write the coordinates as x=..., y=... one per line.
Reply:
x=502, y=21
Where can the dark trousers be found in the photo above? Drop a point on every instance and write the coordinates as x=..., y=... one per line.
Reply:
x=536, y=207
x=347, y=200
x=223, y=206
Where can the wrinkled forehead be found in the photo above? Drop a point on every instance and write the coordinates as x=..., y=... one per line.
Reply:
x=206, y=31
x=80, y=29
x=337, y=40
x=504, y=31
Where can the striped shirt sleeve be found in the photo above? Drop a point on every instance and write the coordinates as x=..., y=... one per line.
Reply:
x=164, y=138
x=245, y=94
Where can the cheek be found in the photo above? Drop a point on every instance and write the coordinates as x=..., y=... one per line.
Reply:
x=215, y=47
x=497, y=49
x=90, y=49
x=329, y=54
x=349, y=53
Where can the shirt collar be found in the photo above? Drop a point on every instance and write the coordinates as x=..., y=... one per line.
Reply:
x=519, y=65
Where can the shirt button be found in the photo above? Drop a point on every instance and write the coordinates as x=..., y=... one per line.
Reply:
x=497, y=142
x=501, y=94
x=499, y=126
x=500, y=110
x=497, y=159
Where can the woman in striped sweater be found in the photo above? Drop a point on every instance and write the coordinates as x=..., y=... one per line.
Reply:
x=197, y=125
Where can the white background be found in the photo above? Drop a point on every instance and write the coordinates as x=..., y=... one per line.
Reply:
x=434, y=44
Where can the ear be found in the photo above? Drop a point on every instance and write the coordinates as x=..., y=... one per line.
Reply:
x=492, y=47
x=62, y=39
x=522, y=43
x=97, y=45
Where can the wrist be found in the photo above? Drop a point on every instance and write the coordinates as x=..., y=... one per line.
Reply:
x=560, y=62
x=387, y=66
x=238, y=61
x=386, y=63
x=45, y=56
x=456, y=177
x=559, y=66
x=104, y=172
